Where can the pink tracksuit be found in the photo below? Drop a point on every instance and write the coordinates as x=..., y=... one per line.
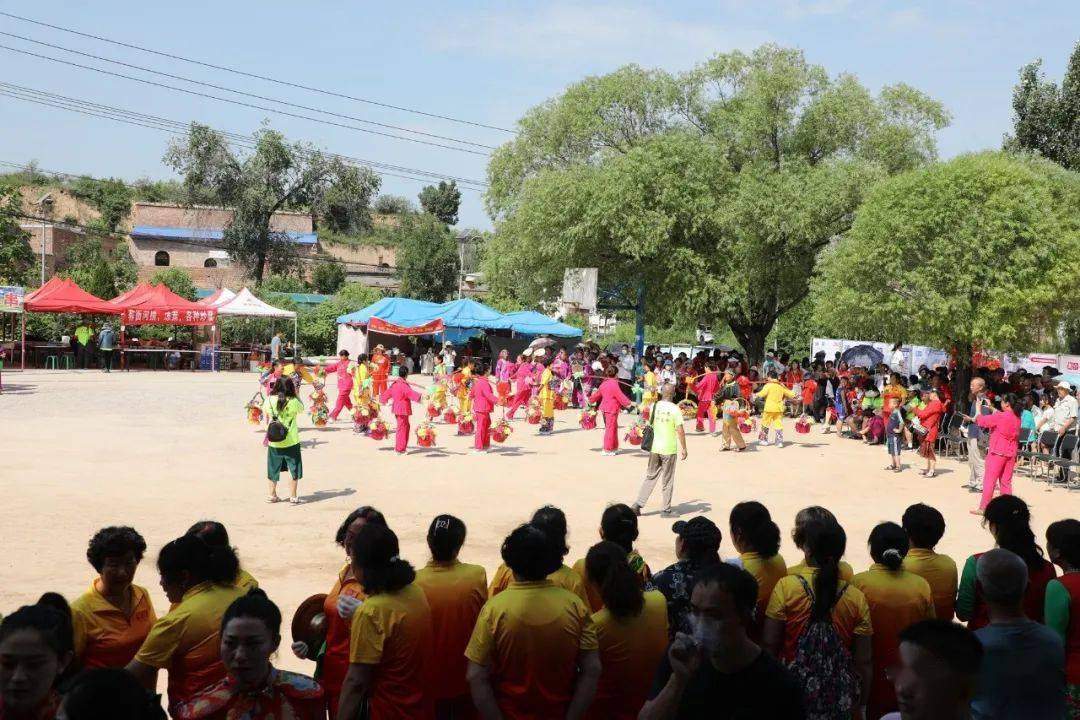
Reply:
x=522, y=388
x=1001, y=454
x=612, y=400
x=483, y=403
x=343, y=368
x=403, y=396
x=705, y=388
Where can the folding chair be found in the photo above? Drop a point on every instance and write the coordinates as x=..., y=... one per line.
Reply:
x=1064, y=461
x=954, y=437
x=1048, y=439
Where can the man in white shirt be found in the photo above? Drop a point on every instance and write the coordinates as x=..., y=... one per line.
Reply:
x=1064, y=409
x=898, y=362
x=626, y=370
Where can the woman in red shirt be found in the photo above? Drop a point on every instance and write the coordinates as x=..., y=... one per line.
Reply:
x=930, y=418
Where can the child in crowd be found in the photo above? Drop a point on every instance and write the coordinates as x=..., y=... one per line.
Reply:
x=873, y=430
x=894, y=433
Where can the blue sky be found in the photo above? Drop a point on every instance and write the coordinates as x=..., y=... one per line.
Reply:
x=487, y=62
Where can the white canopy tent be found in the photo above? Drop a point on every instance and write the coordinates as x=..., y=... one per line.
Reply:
x=245, y=304
x=219, y=298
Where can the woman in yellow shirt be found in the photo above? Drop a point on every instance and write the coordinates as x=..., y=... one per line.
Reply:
x=774, y=394
x=200, y=581
x=652, y=388
x=897, y=599
x=112, y=619
x=803, y=519
x=757, y=539
x=552, y=522
x=215, y=534
x=632, y=632
x=925, y=527
x=546, y=395
x=618, y=524
x=455, y=593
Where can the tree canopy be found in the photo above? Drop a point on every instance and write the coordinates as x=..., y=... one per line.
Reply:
x=1046, y=118
x=328, y=276
x=981, y=250
x=103, y=273
x=275, y=176
x=16, y=257
x=427, y=259
x=442, y=201
x=716, y=188
x=176, y=279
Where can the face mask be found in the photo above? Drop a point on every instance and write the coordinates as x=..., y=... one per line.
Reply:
x=705, y=631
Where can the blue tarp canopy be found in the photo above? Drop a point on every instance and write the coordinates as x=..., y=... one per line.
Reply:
x=211, y=235
x=530, y=322
x=464, y=314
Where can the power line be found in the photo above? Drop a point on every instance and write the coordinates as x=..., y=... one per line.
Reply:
x=177, y=127
x=244, y=93
x=258, y=77
x=240, y=103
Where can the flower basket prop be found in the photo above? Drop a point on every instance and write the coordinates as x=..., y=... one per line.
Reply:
x=378, y=430
x=362, y=416
x=688, y=409
x=320, y=413
x=502, y=431
x=562, y=401
x=802, y=425
x=747, y=425
x=425, y=435
x=534, y=415
x=502, y=393
x=635, y=434
x=254, y=409
x=449, y=417
x=588, y=419
x=645, y=410
x=465, y=425
x=432, y=411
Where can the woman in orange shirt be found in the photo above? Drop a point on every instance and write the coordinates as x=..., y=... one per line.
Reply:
x=112, y=619
x=254, y=689
x=35, y=650
x=455, y=593
x=390, y=645
x=897, y=599
x=757, y=538
x=631, y=630
x=340, y=604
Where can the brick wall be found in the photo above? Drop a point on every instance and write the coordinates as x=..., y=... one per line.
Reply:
x=363, y=254
x=210, y=218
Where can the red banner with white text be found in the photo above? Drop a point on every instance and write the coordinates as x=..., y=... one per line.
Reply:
x=381, y=326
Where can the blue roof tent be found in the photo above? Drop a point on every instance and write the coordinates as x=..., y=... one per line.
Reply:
x=530, y=322
x=150, y=232
x=464, y=313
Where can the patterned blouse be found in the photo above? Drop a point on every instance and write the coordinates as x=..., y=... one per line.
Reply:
x=287, y=696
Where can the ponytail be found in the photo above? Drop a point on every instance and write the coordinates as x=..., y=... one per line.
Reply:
x=607, y=568
x=375, y=552
x=889, y=545
x=825, y=545
x=218, y=564
x=752, y=524
x=1012, y=528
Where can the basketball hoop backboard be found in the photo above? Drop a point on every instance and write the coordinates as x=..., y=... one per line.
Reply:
x=579, y=288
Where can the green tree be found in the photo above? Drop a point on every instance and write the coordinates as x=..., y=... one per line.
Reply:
x=427, y=259
x=393, y=205
x=1046, y=118
x=16, y=257
x=176, y=279
x=110, y=196
x=442, y=201
x=275, y=176
x=982, y=250
x=318, y=325
x=715, y=189
x=103, y=273
x=327, y=277
x=285, y=284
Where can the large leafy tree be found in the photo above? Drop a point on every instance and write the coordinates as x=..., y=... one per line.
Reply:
x=427, y=259
x=100, y=272
x=109, y=196
x=442, y=201
x=275, y=176
x=16, y=257
x=328, y=276
x=176, y=279
x=1046, y=118
x=715, y=188
x=981, y=251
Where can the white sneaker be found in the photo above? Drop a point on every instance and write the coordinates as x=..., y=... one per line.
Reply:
x=479, y=452
x=779, y=444
x=607, y=453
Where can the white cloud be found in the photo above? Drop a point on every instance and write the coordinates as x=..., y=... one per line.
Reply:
x=605, y=35
x=796, y=9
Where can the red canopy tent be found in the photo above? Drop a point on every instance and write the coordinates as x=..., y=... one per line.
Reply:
x=133, y=295
x=62, y=295
x=158, y=305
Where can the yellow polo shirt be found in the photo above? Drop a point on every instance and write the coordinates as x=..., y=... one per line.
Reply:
x=456, y=592
x=564, y=577
x=529, y=637
x=767, y=572
x=245, y=581
x=940, y=572
x=592, y=593
x=790, y=604
x=104, y=636
x=846, y=573
x=187, y=641
x=630, y=650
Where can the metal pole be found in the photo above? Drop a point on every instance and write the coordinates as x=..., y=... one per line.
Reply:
x=43, y=250
x=461, y=266
x=639, y=325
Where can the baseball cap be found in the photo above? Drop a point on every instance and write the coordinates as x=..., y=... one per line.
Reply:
x=699, y=527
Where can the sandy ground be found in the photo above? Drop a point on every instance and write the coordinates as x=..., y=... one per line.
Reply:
x=159, y=450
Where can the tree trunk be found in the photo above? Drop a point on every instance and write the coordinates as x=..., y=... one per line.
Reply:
x=961, y=382
x=752, y=339
x=257, y=272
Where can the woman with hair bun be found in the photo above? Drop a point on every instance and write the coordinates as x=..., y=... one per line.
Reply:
x=455, y=593
x=391, y=637
x=200, y=582
x=757, y=538
x=897, y=599
x=35, y=652
x=619, y=525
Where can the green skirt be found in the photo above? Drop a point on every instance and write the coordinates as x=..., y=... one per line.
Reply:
x=286, y=458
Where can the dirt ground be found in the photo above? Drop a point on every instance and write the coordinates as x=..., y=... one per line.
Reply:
x=159, y=450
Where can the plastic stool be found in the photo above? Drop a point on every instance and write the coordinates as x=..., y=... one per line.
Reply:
x=67, y=362
x=51, y=359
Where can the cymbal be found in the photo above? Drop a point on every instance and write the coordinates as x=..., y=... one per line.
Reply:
x=309, y=624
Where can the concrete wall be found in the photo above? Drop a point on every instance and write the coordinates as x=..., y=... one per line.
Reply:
x=58, y=240
x=208, y=218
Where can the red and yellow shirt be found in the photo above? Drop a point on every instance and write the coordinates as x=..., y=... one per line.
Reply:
x=564, y=577
x=939, y=571
x=392, y=632
x=530, y=636
x=455, y=593
x=791, y=605
x=335, y=663
x=187, y=641
x=106, y=637
x=630, y=650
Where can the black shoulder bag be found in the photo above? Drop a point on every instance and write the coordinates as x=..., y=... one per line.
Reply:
x=647, y=433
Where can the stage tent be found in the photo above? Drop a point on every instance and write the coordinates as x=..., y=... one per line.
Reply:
x=454, y=321
x=245, y=304
x=62, y=295
x=530, y=322
x=218, y=298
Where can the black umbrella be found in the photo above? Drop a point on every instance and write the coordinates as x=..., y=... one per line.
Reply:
x=866, y=356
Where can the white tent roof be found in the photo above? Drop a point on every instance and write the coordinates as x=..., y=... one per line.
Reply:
x=247, y=304
x=218, y=299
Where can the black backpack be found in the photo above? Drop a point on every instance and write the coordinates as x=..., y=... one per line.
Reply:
x=276, y=430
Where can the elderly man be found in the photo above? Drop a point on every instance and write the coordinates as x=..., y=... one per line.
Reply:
x=668, y=435
x=1023, y=668
x=1065, y=408
x=980, y=405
